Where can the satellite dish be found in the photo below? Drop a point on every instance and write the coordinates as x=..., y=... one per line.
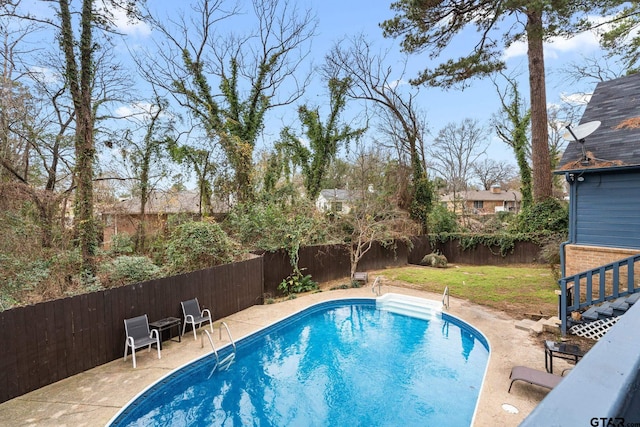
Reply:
x=580, y=132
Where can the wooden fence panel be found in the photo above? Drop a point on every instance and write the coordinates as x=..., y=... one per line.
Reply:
x=379, y=257
x=24, y=349
x=58, y=357
x=420, y=247
x=6, y=358
x=523, y=253
x=70, y=354
x=82, y=338
x=11, y=352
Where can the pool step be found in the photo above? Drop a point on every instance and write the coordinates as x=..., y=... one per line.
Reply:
x=409, y=306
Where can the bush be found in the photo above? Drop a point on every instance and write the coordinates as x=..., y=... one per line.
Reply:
x=434, y=260
x=547, y=217
x=550, y=252
x=297, y=283
x=498, y=222
x=126, y=269
x=442, y=220
x=197, y=245
x=121, y=244
x=25, y=277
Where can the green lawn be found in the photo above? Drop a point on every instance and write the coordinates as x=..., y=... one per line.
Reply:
x=518, y=290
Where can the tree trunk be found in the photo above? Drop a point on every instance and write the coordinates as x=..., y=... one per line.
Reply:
x=243, y=169
x=80, y=87
x=542, y=179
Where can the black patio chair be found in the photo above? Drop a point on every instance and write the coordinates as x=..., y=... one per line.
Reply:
x=194, y=316
x=138, y=336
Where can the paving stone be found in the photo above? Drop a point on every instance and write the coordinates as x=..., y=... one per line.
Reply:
x=525, y=324
x=537, y=327
x=552, y=325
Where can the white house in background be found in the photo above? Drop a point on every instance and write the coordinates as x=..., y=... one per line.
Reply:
x=336, y=200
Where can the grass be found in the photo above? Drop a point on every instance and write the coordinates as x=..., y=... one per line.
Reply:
x=520, y=290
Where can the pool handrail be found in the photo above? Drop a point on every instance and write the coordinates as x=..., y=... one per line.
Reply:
x=445, y=297
x=377, y=283
x=227, y=359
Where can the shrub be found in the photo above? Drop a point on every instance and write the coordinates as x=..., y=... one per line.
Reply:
x=550, y=252
x=297, y=283
x=547, y=217
x=434, y=260
x=442, y=220
x=121, y=244
x=26, y=276
x=197, y=245
x=125, y=269
x=498, y=222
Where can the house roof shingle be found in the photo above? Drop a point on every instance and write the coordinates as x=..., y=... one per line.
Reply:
x=612, y=103
x=170, y=202
x=484, y=195
x=336, y=194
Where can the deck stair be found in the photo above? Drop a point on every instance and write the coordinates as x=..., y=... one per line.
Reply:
x=610, y=308
x=420, y=308
x=597, y=319
x=600, y=295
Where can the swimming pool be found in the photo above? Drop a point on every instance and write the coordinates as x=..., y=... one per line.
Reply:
x=341, y=362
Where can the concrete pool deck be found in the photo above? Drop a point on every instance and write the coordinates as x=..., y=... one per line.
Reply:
x=93, y=397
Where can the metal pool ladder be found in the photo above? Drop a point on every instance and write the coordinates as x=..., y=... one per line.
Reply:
x=226, y=362
x=377, y=283
x=445, y=298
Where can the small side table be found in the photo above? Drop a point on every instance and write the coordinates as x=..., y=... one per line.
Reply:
x=165, y=324
x=563, y=351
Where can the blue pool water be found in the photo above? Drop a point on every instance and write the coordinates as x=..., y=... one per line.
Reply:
x=340, y=363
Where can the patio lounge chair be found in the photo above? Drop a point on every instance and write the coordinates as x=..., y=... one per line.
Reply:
x=534, y=376
x=194, y=316
x=138, y=336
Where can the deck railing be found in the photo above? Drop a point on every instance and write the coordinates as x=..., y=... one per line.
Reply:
x=595, y=286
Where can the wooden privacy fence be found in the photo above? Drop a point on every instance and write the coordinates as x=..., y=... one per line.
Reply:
x=523, y=253
x=329, y=262
x=50, y=341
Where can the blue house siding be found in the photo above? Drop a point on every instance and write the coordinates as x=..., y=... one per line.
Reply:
x=607, y=209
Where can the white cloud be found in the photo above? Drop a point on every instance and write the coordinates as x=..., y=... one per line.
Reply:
x=557, y=46
x=515, y=50
x=578, y=98
x=46, y=75
x=137, y=108
x=394, y=84
x=128, y=26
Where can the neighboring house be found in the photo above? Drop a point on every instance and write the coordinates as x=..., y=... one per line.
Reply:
x=337, y=200
x=483, y=202
x=124, y=216
x=604, y=187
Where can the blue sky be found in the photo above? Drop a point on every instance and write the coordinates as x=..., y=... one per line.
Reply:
x=340, y=19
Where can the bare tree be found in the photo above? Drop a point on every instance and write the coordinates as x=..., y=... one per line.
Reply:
x=454, y=151
x=377, y=83
x=250, y=72
x=493, y=172
x=592, y=69
x=373, y=217
x=33, y=152
x=145, y=147
x=17, y=107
